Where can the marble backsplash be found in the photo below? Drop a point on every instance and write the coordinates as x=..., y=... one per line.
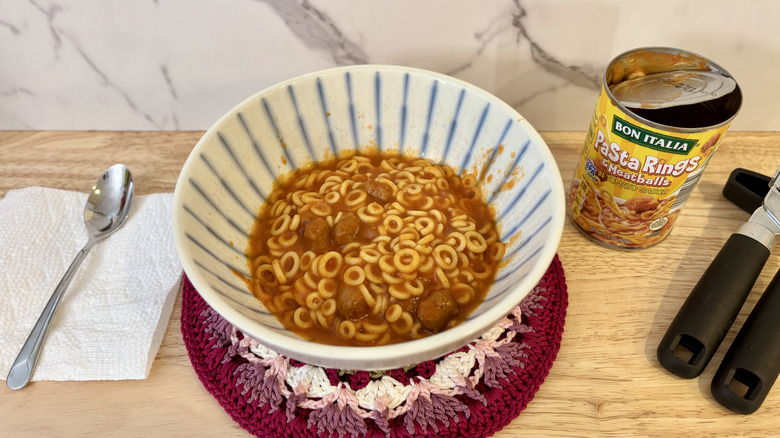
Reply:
x=180, y=64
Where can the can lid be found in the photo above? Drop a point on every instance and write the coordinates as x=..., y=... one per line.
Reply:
x=672, y=88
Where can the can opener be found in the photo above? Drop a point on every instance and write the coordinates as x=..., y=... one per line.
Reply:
x=752, y=363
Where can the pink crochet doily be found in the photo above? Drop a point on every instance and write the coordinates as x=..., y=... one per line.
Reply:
x=471, y=392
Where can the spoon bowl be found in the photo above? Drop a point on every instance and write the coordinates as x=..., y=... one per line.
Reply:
x=109, y=202
x=107, y=209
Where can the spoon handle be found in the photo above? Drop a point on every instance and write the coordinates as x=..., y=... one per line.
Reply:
x=24, y=365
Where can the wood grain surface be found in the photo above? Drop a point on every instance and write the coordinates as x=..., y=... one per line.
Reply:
x=605, y=382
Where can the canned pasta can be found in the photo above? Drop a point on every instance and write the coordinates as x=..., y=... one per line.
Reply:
x=659, y=118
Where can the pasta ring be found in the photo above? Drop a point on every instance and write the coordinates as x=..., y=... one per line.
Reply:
x=287, y=239
x=302, y=318
x=370, y=255
x=457, y=240
x=353, y=276
x=280, y=224
x=306, y=259
x=398, y=293
x=393, y=224
x=403, y=324
x=386, y=264
x=346, y=329
x=329, y=264
x=328, y=307
x=332, y=197
x=445, y=256
x=320, y=208
x=441, y=277
x=278, y=272
x=290, y=262
x=393, y=313
x=366, y=217
x=313, y=300
x=326, y=288
x=374, y=328
x=320, y=318
x=373, y=273
x=265, y=273
x=462, y=293
x=407, y=260
x=355, y=197
x=475, y=242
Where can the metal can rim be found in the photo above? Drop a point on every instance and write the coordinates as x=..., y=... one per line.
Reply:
x=670, y=50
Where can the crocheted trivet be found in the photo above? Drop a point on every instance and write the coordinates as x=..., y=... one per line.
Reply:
x=471, y=392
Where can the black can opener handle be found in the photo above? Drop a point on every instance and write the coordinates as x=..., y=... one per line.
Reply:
x=747, y=189
x=711, y=308
x=752, y=363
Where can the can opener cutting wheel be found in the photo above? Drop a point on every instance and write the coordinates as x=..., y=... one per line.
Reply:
x=752, y=363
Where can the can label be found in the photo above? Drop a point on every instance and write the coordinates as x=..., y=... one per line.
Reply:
x=633, y=179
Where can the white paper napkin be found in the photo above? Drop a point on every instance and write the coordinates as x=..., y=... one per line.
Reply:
x=111, y=320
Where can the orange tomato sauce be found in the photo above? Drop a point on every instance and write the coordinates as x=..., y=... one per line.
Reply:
x=373, y=249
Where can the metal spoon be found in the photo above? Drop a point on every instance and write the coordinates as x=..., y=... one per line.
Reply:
x=106, y=211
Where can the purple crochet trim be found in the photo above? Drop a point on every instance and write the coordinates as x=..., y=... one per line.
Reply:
x=257, y=388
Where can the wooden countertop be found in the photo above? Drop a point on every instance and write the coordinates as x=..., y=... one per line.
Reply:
x=605, y=382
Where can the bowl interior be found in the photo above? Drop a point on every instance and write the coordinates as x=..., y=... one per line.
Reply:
x=231, y=170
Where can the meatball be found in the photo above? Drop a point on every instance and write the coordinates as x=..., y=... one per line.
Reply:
x=436, y=310
x=316, y=233
x=350, y=303
x=346, y=229
x=307, y=216
x=379, y=190
x=642, y=203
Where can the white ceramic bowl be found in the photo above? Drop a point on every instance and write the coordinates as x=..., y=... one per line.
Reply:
x=232, y=168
